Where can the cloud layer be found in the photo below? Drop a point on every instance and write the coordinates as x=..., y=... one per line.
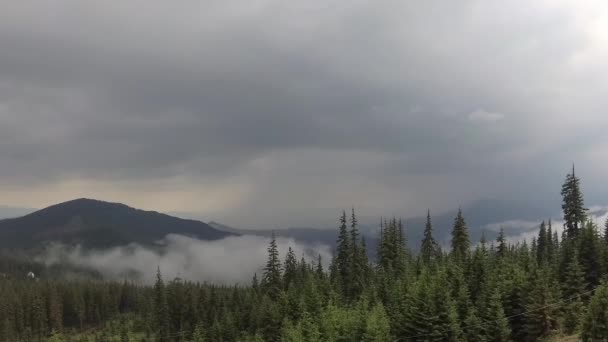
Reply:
x=233, y=260
x=270, y=113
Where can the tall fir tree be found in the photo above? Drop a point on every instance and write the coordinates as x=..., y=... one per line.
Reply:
x=342, y=259
x=161, y=309
x=573, y=205
x=357, y=260
x=502, y=248
x=498, y=330
x=429, y=247
x=271, y=280
x=460, y=238
x=590, y=254
x=290, y=268
x=541, y=244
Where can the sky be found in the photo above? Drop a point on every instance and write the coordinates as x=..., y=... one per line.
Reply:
x=266, y=113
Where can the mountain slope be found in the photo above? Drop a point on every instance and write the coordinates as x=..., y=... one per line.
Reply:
x=96, y=223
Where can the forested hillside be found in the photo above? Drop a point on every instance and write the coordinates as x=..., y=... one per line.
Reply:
x=471, y=291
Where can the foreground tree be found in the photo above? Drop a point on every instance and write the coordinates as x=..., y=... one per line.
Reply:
x=595, y=322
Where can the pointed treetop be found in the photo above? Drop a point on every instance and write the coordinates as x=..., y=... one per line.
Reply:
x=572, y=169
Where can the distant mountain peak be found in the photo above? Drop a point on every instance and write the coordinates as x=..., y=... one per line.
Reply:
x=100, y=224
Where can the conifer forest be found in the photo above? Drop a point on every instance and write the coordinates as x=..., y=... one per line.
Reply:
x=550, y=287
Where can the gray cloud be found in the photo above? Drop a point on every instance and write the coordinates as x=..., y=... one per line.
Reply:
x=229, y=261
x=390, y=106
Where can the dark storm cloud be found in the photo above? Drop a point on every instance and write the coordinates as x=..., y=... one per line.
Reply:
x=418, y=95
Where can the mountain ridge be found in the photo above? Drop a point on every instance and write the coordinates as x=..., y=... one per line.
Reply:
x=96, y=223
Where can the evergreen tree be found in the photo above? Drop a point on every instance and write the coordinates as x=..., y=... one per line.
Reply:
x=595, y=322
x=342, y=261
x=572, y=204
x=574, y=281
x=271, y=281
x=291, y=268
x=377, y=328
x=460, y=238
x=473, y=327
x=429, y=247
x=498, y=330
x=542, y=244
x=161, y=309
x=502, y=243
x=590, y=254
x=358, y=260
x=550, y=243
x=542, y=314
x=319, y=270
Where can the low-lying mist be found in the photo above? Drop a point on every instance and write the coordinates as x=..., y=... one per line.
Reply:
x=232, y=260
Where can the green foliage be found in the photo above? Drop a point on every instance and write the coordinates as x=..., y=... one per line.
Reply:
x=377, y=327
x=460, y=238
x=429, y=249
x=573, y=205
x=595, y=322
x=496, y=292
x=271, y=281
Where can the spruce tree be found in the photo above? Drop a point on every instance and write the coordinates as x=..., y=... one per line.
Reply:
x=358, y=260
x=474, y=329
x=502, y=243
x=377, y=327
x=342, y=259
x=271, y=280
x=161, y=309
x=550, y=243
x=574, y=280
x=595, y=322
x=460, y=238
x=572, y=204
x=319, y=269
x=541, y=244
x=590, y=254
x=542, y=314
x=291, y=268
x=498, y=330
x=429, y=247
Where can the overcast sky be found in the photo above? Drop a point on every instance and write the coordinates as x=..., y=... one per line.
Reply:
x=272, y=113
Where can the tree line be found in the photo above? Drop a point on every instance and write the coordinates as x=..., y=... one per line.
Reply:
x=491, y=291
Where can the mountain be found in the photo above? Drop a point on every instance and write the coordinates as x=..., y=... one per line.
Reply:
x=98, y=224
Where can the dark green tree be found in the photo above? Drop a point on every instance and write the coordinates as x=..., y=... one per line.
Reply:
x=161, y=309
x=502, y=248
x=429, y=248
x=498, y=330
x=342, y=259
x=595, y=322
x=573, y=205
x=291, y=268
x=271, y=281
x=460, y=238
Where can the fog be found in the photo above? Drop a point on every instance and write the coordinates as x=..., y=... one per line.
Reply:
x=232, y=260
